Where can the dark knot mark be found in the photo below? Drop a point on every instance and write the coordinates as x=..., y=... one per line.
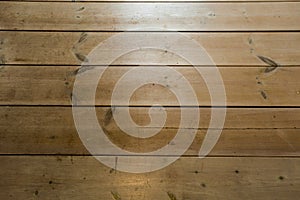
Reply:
x=81, y=8
x=272, y=64
x=171, y=196
x=73, y=99
x=108, y=116
x=81, y=57
x=83, y=38
x=116, y=195
x=82, y=69
x=263, y=94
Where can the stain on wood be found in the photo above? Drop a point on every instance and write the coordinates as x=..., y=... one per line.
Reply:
x=171, y=196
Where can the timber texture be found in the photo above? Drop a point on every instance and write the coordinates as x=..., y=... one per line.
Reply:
x=254, y=43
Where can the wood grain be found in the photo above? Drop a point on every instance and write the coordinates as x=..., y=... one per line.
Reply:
x=145, y=16
x=111, y=1
x=233, y=49
x=53, y=85
x=254, y=43
x=247, y=132
x=65, y=177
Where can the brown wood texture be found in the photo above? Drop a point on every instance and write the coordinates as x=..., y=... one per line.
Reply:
x=151, y=0
x=247, y=132
x=76, y=177
x=255, y=45
x=144, y=16
x=66, y=48
x=245, y=86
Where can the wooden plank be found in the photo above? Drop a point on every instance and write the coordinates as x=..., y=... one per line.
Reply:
x=247, y=132
x=150, y=16
x=60, y=48
x=52, y=177
x=152, y=0
x=53, y=85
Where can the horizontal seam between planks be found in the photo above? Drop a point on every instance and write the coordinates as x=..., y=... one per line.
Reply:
x=182, y=156
x=123, y=66
x=160, y=2
x=152, y=31
x=146, y=106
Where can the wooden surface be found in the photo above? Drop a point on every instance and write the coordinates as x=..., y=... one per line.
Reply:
x=233, y=49
x=77, y=177
x=48, y=130
x=254, y=44
x=150, y=1
x=48, y=85
x=144, y=16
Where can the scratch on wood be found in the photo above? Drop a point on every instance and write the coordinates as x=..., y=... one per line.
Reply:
x=108, y=116
x=73, y=99
x=263, y=94
x=171, y=196
x=281, y=135
x=82, y=69
x=83, y=37
x=272, y=63
x=76, y=71
x=148, y=184
x=116, y=164
x=270, y=69
x=81, y=57
x=115, y=195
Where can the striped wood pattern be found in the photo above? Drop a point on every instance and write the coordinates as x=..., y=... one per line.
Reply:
x=42, y=45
